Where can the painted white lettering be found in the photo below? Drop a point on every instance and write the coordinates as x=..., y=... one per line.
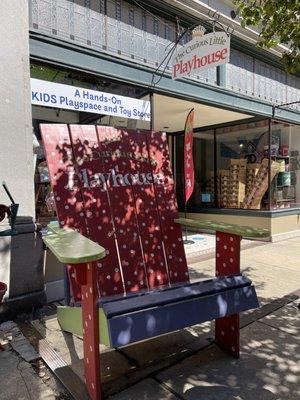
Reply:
x=84, y=177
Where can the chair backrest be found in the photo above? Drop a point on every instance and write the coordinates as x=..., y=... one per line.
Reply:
x=115, y=186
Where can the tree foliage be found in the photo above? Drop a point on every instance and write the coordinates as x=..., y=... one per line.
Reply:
x=278, y=22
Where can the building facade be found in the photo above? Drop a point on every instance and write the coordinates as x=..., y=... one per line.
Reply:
x=120, y=47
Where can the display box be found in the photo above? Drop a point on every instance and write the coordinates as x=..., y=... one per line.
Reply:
x=284, y=179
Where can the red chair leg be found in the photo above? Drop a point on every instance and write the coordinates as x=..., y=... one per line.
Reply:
x=90, y=324
x=227, y=329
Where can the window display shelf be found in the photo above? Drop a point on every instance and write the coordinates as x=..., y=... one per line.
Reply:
x=283, y=200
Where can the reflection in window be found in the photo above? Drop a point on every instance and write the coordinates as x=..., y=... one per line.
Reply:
x=203, y=150
x=204, y=193
x=243, y=165
x=285, y=189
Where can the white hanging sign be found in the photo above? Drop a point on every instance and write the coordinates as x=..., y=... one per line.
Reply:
x=200, y=53
x=57, y=95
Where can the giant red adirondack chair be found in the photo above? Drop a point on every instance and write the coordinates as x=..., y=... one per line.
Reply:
x=115, y=187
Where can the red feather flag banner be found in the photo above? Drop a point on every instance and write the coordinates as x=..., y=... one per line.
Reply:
x=189, y=175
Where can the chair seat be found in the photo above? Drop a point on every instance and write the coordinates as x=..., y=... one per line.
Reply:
x=169, y=295
x=143, y=316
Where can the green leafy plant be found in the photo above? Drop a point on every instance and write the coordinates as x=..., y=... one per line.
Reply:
x=278, y=22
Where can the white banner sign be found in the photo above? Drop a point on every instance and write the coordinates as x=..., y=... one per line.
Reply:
x=203, y=52
x=50, y=94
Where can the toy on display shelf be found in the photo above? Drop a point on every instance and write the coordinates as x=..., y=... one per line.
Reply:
x=43, y=172
x=274, y=150
x=237, y=182
x=224, y=188
x=260, y=185
x=284, y=150
x=209, y=195
x=284, y=194
x=252, y=170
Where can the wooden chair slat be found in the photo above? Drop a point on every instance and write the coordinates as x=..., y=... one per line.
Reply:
x=65, y=184
x=116, y=166
x=63, y=176
x=167, y=206
x=96, y=206
x=135, y=144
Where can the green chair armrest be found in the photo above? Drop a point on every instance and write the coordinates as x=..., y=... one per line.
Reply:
x=70, y=247
x=53, y=226
x=244, y=231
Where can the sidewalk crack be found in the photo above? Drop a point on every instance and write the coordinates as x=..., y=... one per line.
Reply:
x=168, y=388
x=275, y=327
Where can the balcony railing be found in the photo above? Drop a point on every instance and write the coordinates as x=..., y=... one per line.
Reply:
x=109, y=26
x=129, y=32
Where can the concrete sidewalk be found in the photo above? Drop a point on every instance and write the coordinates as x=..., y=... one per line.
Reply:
x=185, y=364
x=268, y=368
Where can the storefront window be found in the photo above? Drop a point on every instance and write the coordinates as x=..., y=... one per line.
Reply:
x=243, y=165
x=233, y=165
x=285, y=189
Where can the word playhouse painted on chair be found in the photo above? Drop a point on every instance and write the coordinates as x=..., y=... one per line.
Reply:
x=114, y=179
x=203, y=52
x=50, y=94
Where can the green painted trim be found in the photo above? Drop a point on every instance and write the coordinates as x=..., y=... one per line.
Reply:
x=70, y=247
x=229, y=211
x=283, y=213
x=244, y=213
x=53, y=226
x=66, y=55
x=244, y=231
x=70, y=320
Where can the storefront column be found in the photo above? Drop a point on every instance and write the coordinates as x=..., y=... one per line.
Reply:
x=16, y=161
x=20, y=256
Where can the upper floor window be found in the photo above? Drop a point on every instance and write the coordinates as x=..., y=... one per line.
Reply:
x=144, y=22
x=102, y=7
x=131, y=17
x=118, y=11
x=167, y=32
x=155, y=26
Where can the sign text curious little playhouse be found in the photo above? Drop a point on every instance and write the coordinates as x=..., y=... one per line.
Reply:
x=203, y=52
